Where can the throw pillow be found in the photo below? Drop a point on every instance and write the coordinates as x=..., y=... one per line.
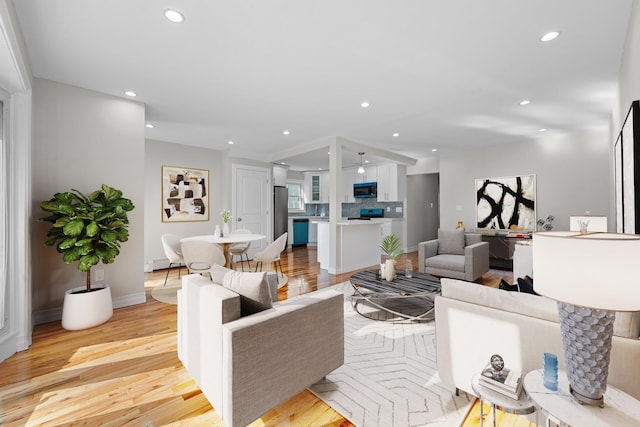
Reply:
x=451, y=242
x=253, y=289
x=218, y=272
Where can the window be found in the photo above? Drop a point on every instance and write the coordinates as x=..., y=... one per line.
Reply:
x=296, y=203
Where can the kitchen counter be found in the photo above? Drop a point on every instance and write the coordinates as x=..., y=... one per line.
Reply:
x=357, y=246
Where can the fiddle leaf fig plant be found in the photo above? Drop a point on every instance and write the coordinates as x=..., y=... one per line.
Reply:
x=87, y=229
x=390, y=245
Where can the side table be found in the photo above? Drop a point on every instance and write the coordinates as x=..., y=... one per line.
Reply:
x=619, y=410
x=522, y=406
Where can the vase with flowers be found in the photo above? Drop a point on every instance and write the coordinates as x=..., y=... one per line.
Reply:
x=226, y=216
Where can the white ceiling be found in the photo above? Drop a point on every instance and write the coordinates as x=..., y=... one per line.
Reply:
x=444, y=74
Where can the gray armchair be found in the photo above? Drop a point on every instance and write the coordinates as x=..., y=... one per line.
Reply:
x=454, y=254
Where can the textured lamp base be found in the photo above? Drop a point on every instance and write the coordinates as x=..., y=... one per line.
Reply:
x=586, y=340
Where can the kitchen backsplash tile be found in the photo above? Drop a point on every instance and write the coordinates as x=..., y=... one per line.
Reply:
x=353, y=209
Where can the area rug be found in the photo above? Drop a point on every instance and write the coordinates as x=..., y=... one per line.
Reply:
x=389, y=377
x=167, y=294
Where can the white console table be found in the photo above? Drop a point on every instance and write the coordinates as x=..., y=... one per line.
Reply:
x=620, y=409
x=523, y=259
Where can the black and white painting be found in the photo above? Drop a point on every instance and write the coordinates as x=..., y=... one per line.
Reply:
x=506, y=203
x=627, y=180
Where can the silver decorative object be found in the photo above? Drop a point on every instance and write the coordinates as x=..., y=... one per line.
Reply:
x=497, y=363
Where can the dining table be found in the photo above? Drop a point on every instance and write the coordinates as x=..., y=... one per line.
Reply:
x=226, y=241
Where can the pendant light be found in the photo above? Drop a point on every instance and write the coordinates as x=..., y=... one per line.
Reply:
x=361, y=168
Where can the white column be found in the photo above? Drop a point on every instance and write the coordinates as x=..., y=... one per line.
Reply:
x=335, y=205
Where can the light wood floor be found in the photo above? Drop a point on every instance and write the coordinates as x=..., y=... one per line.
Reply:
x=126, y=372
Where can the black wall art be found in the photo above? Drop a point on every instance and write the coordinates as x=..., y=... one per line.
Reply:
x=627, y=181
x=506, y=203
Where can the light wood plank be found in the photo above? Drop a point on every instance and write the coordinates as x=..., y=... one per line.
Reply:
x=126, y=372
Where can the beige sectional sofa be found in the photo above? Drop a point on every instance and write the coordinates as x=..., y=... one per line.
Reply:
x=474, y=321
x=248, y=365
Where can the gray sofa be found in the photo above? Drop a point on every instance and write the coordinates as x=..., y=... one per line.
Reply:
x=454, y=254
x=248, y=365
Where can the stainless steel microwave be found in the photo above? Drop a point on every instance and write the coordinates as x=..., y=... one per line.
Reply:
x=365, y=190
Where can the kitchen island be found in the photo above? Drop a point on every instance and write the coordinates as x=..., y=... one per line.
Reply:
x=357, y=245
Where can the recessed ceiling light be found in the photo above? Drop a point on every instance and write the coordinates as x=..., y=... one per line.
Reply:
x=364, y=104
x=552, y=35
x=542, y=130
x=149, y=125
x=396, y=134
x=366, y=161
x=173, y=15
x=230, y=142
x=434, y=149
x=525, y=102
x=282, y=163
x=286, y=132
x=130, y=93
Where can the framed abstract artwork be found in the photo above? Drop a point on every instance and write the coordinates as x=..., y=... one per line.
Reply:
x=506, y=203
x=185, y=194
x=627, y=181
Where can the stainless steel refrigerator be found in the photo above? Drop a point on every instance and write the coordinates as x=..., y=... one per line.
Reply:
x=280, y=211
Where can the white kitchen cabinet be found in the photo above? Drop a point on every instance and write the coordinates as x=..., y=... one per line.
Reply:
x=370, y=175
x=313, y=187
x=324, y=187
x=279, y=175
x=392, y=182
x=313, y=233
x=316, y=187
x=348, y=178
x=290, y=232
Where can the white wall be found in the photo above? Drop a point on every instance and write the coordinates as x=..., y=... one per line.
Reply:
x=572, y=173
x=83, y=139
x=629, y=84
x=159, y=153
x=424, y=166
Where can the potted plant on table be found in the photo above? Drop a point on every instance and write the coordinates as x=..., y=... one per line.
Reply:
x=390, y=245
x=87, y=229
x=226, y=216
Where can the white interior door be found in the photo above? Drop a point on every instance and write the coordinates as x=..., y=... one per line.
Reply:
x=250, y=201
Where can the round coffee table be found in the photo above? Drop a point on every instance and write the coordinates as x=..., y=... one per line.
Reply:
x=409, y=298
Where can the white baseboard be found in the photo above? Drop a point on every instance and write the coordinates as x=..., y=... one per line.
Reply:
x=55, y=314
x=160, y=264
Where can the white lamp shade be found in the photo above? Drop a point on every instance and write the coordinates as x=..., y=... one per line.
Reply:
x=596, y=270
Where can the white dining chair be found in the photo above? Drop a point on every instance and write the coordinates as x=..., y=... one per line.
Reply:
x=173, y=251
x=271, y=253
x=200, y=256
x=241, y=248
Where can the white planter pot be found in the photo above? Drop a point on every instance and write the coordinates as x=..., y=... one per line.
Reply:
x=390, y=270
x=86, y=310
